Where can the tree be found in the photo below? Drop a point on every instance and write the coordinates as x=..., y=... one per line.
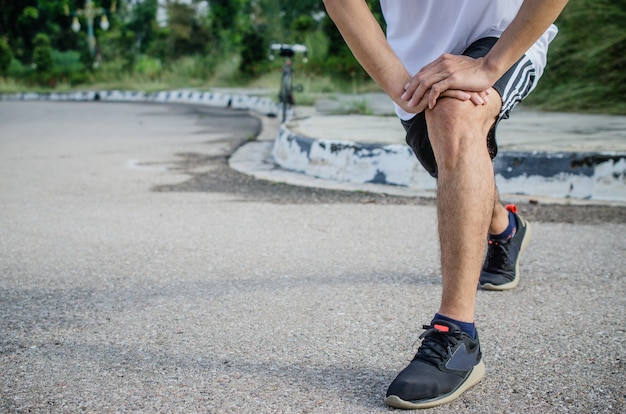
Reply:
x=292, y=10
x=223, y=14
x=42, y=58
x=187, y=35
x=5, y=57
x=143, y=24
x=253, y=53
x=301, y=26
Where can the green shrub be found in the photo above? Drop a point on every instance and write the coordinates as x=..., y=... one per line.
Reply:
x=68, y=67
x=345, y=67
x=148, y=66
x=18, y=70
x=5, y=57
x=110, y=70
x=340, y=62
x=587, y=65
x=303, y=25
x=198, y=67
x=42, y=59
x=253, y=54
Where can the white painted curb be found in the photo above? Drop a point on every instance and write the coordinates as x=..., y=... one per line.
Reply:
x=260, y=105
x=587, y=176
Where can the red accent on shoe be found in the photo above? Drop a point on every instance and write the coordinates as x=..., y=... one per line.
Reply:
x=512, y=208
x=441, y=328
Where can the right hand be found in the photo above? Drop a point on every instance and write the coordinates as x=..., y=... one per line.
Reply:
x=477, y=98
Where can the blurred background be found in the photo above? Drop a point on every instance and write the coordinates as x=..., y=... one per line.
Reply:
x=154, y=45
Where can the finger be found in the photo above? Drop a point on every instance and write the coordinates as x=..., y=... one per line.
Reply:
x=432, y=98
x=457, y=94
x=420, y=107
x=436, y=91
x=408, y=91
x=477, y=99
x=418, y=95
x=485, y=96
x=417, y=106
x=409, y=88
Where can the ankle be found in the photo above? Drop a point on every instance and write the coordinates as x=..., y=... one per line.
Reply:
x=508, y=232
x=467, y=327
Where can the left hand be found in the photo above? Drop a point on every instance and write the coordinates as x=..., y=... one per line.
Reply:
x=448, y=72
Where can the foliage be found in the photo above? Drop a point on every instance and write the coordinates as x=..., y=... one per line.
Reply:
x=228, y=42
x=587, y=65
x=142, y=24
x=253, y=53
x=148, y=66
x=301, y=26
x=6, y=55
x=17, y=70
x=223, y=14
x=187, y=35
x=118, y=45
x=293, y=10
x=42, y=58
x=341, y=62
x=68, y=67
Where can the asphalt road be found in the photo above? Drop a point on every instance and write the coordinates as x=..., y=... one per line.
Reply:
x=139, y=274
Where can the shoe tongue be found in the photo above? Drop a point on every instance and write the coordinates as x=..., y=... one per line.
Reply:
x=441, y=328
x=444, y=326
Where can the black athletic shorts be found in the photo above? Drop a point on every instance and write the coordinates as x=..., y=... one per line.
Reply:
x=513, y=86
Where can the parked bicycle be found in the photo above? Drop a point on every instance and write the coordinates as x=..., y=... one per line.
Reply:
x=285, y=94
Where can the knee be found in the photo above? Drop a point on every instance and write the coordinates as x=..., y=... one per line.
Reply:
x=451, y=119
x=456, y=129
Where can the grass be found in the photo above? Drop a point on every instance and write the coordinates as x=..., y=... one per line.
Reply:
x=575, y=97
x=122, y=82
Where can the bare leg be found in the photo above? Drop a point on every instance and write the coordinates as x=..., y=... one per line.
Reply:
x=466, y=196
x=499, y=218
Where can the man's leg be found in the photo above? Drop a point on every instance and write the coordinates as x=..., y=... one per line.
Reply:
x=509, y=234
x=449, y=361
x=466, y=197
x=499, y=217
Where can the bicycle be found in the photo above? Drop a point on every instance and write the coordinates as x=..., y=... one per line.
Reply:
x=285, y=93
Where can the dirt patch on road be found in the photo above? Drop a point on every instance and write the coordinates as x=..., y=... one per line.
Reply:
x=222, y=179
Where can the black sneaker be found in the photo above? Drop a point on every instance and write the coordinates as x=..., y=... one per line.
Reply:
x=446, y=364
x=501, y=267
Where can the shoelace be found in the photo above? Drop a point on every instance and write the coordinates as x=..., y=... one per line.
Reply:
x=436, y=345
x=497, y=254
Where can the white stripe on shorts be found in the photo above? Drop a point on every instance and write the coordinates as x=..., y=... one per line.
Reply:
x=521, y=83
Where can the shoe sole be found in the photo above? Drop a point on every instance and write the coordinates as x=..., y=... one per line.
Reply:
x=478, y=372
x=513, y=283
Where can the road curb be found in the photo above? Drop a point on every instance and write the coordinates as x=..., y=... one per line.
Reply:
x=577, y=175
x=261, y=105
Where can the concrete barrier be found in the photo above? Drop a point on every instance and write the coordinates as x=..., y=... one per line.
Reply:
x=261, y=105
x=593, y=176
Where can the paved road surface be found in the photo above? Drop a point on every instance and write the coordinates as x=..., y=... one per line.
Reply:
x=125, y=288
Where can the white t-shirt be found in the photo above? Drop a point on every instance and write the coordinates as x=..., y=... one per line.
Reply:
x=419, y=31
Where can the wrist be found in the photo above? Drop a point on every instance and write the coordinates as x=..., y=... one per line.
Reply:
x=494, y=68
x=394, y=84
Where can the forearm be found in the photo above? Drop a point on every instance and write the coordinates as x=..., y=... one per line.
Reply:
x=367, y=42
x=532, y=20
